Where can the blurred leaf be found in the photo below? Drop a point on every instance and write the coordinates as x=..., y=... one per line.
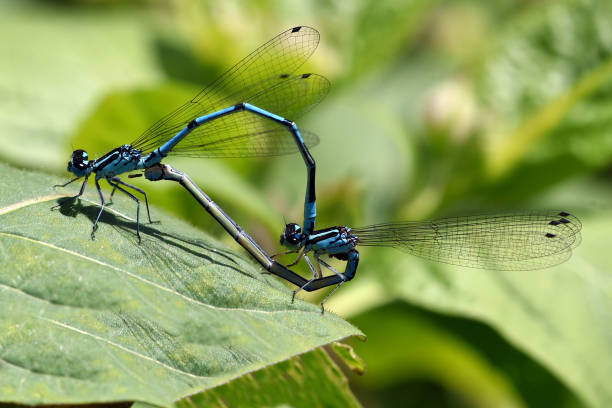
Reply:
x=559, y=316
x=467, y=359
x=350, y=358
x=384, y=27
x=308, y=380
x=56, y=62
x=546, y=72
x=87, y=321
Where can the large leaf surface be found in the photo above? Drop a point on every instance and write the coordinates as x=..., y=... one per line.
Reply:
x=112, y=320
x=309, y=380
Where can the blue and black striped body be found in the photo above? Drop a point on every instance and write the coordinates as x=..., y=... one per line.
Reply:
x=240, y=114
x=118, y=161
x=516, y=241
x=337, y=242
x=127, y=158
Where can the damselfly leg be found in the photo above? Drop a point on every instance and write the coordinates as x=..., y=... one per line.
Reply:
x=65, y=200
x=315, y=277
x=141, y=191
x=297, y=260
x=247, y=112
x=133, y=197
x=68, y=182
x=102, y=203
x=283, y=254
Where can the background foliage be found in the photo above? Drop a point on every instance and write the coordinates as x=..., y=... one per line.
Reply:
x=437, y=108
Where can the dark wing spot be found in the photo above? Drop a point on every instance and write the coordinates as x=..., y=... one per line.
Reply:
x=549, y=235
x=296, y=29
x=564, y=214
x=283, y=76
x=305, y=75
x=564, y=221
x=554, y=222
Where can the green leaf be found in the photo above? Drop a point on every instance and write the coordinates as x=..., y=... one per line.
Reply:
x=103, y=320
x=309, y=380
x=383, y=28
x=350, y=358
x=58, y=62
x=553, y=65
x=464, y=358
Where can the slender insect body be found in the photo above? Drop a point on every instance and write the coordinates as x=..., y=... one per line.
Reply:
x=120, y=160
x=247, y=112
x=521, y=241
x=335, y=241
x=150, y=159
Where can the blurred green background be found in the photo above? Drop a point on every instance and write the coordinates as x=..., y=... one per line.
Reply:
x=437, y=108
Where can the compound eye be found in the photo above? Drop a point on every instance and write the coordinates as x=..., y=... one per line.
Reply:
x=293, y=240
x=292, y=232
x=80, y=159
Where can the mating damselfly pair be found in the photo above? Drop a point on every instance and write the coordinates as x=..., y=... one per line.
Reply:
x=248, y=112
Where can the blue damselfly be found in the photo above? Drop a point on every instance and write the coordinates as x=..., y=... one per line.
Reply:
x=245, y=112
x=519, y=241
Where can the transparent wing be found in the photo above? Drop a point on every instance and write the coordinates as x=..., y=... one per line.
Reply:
x=265, y=143
x=290, y=95
x=264, y=78
x=521, y=241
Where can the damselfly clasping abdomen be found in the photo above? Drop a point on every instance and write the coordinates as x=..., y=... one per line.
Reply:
x=246, y=112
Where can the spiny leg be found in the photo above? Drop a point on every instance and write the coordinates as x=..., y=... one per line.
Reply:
x=73, y=197
x=314, y=273
x=316, y=270
x=331, y=268
x=300, y=255
x=95, y=226
x=318, y=266
x=110, y=197
x=133, y=197
x=283, y=253
x=68, y=182
x=118, y=180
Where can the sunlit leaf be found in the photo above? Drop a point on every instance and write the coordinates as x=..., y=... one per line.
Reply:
x=102, y=320
x=309, y=380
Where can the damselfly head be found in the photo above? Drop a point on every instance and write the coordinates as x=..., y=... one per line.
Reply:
x=79, y=163
x=291, y=236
